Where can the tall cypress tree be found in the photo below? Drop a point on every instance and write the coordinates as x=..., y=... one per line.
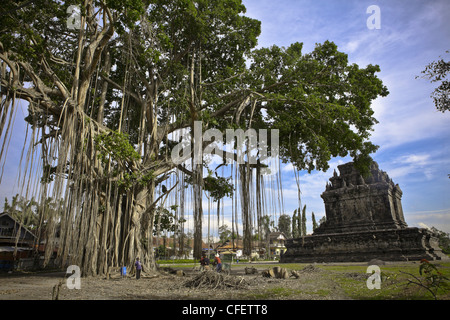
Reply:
x=314, y=223
x=294, y=224
x=303, y=221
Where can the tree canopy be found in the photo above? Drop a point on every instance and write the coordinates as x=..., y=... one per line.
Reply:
x=108, y=101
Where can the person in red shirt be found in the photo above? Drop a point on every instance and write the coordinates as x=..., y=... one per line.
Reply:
x=218, y=263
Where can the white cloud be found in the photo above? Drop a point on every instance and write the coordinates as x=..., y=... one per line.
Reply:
x=423, y=225
x=417, y=165
x=412, y=164
x=415, y=159
x=352, y=45
x=409, y=125
x=439, y=219
x=288, y=168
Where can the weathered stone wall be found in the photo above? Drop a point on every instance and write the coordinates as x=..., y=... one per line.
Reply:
x=364, y=221
x=405, y=244
x=354, y=203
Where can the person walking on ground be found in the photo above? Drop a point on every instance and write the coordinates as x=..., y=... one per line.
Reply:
x=218, y=263
x=138, y=268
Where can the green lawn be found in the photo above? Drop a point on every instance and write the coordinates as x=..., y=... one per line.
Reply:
x=351, y=280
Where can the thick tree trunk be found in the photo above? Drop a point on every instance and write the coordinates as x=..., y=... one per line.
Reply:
x=246, y=216
x=148, y=219
x=138, y=242
x=198, y=212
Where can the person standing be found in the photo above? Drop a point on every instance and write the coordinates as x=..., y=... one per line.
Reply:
x=204, y=262
x=138, y=268
x=218, y=263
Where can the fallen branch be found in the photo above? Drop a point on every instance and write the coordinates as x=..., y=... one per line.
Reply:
x=214, y=280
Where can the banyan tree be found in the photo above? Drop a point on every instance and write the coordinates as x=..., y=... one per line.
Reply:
x=112, y=87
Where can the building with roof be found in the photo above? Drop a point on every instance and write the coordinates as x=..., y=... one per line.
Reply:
x=276, y=243
x=16, y=241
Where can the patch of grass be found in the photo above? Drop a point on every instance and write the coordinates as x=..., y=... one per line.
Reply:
x=286, y=293
x=320, y=292
x=354, y=285
x=394, y=282
x=177, y=261
x=274, y=293
x=350, y=280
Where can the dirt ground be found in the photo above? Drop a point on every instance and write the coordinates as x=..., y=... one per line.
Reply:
x=163, y=286
x=313, y=284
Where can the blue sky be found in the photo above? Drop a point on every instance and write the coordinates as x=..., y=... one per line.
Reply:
x=413, y=136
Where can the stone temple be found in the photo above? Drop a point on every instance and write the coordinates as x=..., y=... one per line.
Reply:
x=364, y=221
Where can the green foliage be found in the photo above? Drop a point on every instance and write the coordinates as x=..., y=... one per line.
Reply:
x=299, y=222
x=23, y=210
x=444, y=239
x=177, y=261
x=319, y=102
x=27, y=211
x=224, y=233
x=314, y=222
x=432, y=279
x=218, y=187
x=284, y=224
x=304, y=221
x=115, y=146
x=130, y=12
x=127, y=180
x=167, y=220
x=161, y=251
x=439, y=71
x=295, y=229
